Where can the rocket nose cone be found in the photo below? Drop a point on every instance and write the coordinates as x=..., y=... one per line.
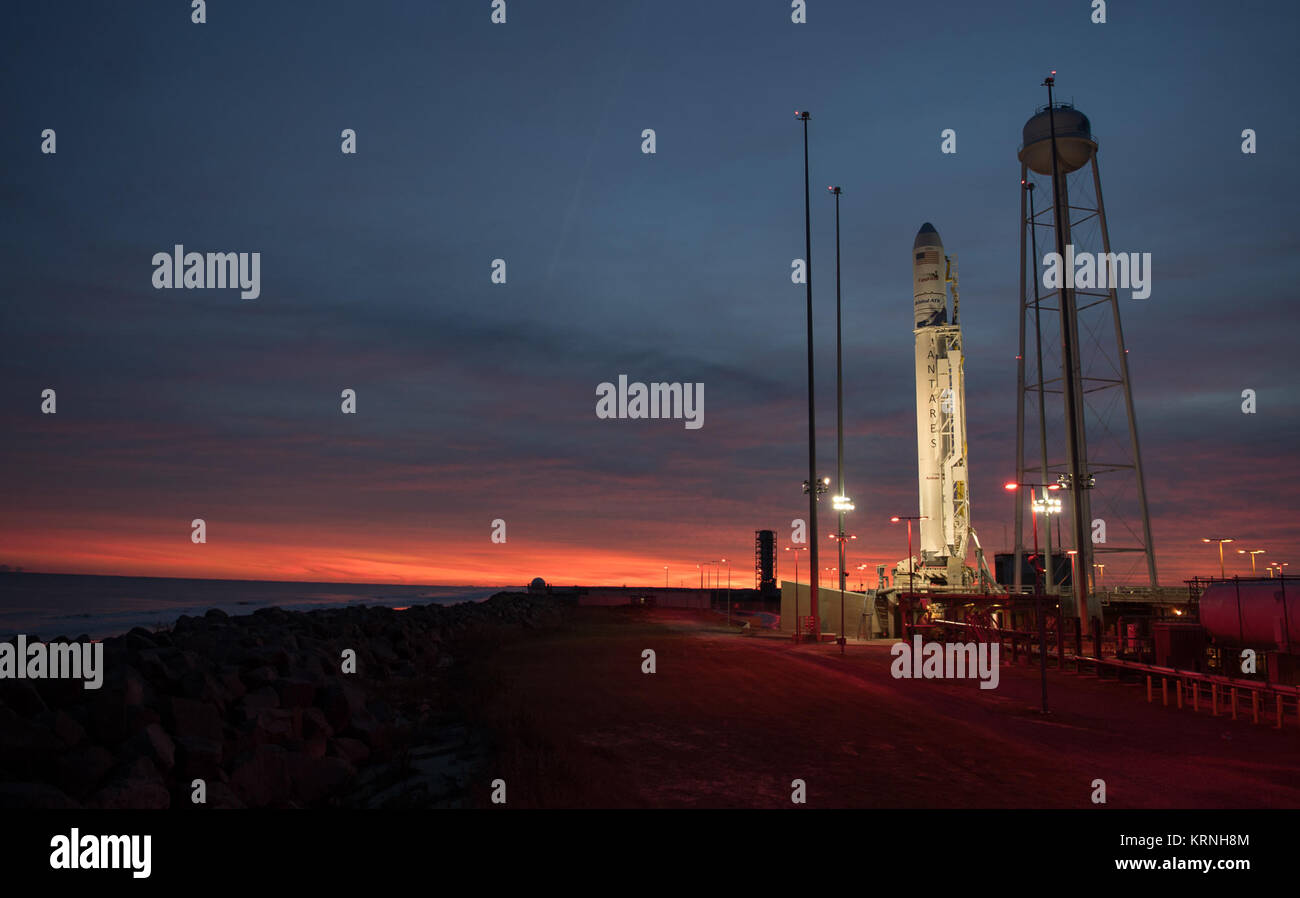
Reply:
x=927, y=236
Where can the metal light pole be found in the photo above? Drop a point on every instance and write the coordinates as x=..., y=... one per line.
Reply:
x=1038, y=561
x=1047, y=506
x=665, y=576
x=1042, y=402
x=1252, y=553
x=728, y=592
x=839, y=406
x=841, y=539
x=796, y=550
x=1038, y=600
x=911, y=563
x=1220, y=540
x=1070, y=377
x=911, y=566
x=1042, y=644
x=702, y=565
x=812, y=416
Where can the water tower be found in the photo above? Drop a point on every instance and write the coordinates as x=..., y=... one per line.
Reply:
x=1088, y=441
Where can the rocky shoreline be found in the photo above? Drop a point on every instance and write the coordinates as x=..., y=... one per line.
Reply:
x=260, y=710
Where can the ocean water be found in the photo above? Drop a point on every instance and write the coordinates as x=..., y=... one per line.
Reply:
x=50, y=605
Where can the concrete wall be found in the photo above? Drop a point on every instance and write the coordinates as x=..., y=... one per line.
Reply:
x=664, y=597
x=828, y=608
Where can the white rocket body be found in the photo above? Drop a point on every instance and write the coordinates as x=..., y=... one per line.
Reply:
x=940, y=411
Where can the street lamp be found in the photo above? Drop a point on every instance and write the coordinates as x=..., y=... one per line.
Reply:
x=1049, y=505
x=911, y=564
x=1101, y=573
x=803, y=116
x=728, y=564
x=1045, y=505
x=1220, y=540
x=665, y=576
x=823, y=484
x=701, y=566
x=841, y=539
x=796, y=550
x=1252, y=553
x=840, y=502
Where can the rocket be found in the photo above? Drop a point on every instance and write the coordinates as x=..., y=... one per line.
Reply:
x=940, y=409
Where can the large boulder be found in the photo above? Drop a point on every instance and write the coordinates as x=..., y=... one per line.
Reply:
x=25, y=742
x=295, y=692
x=138, y=785
x=63, y=725
x=23, y=697
x=81, y=770
x=260, y=779
x=354, y=751
x=153, y=743
x=189, y=718
x=34, y=796
x=312, y=779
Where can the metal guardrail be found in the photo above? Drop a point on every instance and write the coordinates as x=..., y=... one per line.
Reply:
x=1192, y=682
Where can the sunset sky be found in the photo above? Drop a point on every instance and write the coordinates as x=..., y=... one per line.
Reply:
x=523, y=142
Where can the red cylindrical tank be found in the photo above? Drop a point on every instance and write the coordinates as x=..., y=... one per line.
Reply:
x=1253, y=612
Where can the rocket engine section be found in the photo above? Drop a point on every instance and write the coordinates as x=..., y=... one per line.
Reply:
x=940, y=410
